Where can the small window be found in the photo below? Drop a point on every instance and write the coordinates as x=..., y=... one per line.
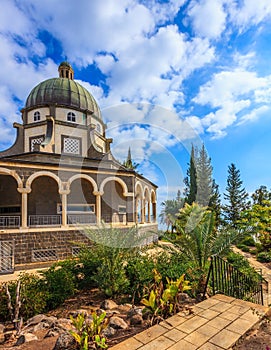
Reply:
x=36, y=116
x=71, y=117
x=122, y=209
x=77, y=208
x=98, y=128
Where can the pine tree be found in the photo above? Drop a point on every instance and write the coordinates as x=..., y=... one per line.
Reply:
x=204, y=178
x=261, y=196
x=191, y=179
x=215, y=203
x=236, y=197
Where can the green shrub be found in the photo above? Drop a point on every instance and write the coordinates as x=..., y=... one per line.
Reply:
x=33, y=297
x=259, y=247
x=243, y=247
x=140, y=268
x=248, y=241
x=59, y=283
x=111, y=250
x=264, y=257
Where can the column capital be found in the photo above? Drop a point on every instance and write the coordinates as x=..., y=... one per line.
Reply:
x=24, y=190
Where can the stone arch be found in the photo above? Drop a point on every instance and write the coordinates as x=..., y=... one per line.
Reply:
x=43, y=173
x=147, y=194
x=13, y=174
x=139, y=190
x=153, y=206
x=83, y=176
x=117, y=179
x=153, y=196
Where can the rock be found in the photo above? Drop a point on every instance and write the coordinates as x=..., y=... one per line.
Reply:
x=64, y=323
x=117, y=323
x=40, y=326
x=136, y=320
x=124, y=308
x=65, y=341
x=35, y=320
x=134, y=311
x=109, y=332
x=78, y=312
x=108, y=304
x=25, y=338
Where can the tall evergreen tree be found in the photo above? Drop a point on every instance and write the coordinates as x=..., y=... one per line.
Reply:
x=261, y=196
x=215, y=202
x=191, y=179
x=204, y=178
x=235, y=195
x=129, y=162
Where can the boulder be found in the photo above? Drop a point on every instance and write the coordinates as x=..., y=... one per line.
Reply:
x=117, y=323
x=75, y=313
x=134, y=311
x=108, y=304
x=108, y=332
x=136, y=320
x=35, y=320
x=65, y=341
x=25, y=338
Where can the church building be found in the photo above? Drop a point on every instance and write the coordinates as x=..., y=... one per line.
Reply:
x=60, y=176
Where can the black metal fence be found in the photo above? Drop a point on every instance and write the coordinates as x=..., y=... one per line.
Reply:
x=226, y=279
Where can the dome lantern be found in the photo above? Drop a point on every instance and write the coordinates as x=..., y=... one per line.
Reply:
x=65, y=70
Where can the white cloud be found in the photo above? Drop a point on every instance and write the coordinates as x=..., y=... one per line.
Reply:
x=249, y=12
x=232, y=93
x=208, y=17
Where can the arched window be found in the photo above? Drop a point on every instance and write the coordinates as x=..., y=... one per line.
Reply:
x=98, y=128
x=71, y=117
x=36, y=116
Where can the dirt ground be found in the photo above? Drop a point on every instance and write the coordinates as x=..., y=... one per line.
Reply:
x=258, y=339
x=90, y=300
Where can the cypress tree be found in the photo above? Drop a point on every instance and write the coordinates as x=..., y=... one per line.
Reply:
x=191, y=179
x=235, y=195
x=204, y=178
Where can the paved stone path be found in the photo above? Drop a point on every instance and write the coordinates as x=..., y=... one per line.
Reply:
x=266, y=272
x=216, y=324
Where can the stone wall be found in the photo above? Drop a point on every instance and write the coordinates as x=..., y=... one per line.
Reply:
x=50, y=245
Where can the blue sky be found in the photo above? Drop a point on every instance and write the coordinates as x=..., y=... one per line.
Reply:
x=165, y=74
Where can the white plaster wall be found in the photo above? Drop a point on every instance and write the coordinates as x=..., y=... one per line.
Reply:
x=44, y=111
x=61, y=114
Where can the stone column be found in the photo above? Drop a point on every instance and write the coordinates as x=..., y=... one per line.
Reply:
x=24, y=192
x=154, y=211
x=142, y=202
x=149, y=212
x=64, y=193
x=98, y=207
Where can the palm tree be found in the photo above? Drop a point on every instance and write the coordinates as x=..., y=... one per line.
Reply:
x=168, y=214
x=198, y=238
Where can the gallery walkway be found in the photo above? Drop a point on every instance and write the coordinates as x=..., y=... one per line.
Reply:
x=216, y=324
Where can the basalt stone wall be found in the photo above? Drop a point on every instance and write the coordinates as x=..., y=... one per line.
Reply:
x=42, y=246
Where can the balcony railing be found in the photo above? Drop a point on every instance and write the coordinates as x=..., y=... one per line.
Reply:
x=82, y=219
x=10, y=221
x=44, y=220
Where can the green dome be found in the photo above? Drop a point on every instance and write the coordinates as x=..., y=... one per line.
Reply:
x=62, y=92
